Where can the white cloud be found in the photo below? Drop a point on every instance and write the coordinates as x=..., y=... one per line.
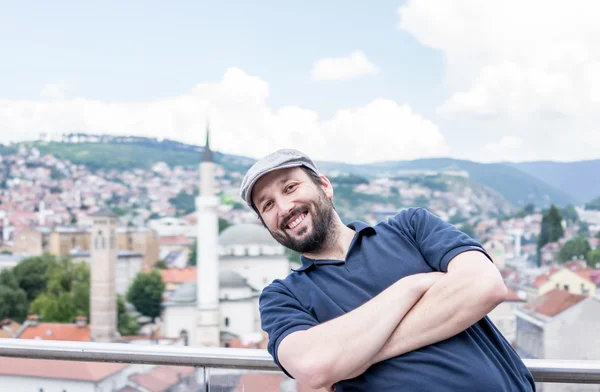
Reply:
x=511, y=148
x=54, y=91
x=241, y=121
x=341, y=68
x=526, y=63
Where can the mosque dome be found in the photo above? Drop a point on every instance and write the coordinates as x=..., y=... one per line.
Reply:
x=246, y=234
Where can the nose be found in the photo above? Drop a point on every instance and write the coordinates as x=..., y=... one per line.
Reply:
x=285, y=206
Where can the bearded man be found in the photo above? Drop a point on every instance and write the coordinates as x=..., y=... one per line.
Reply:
x=398, y=306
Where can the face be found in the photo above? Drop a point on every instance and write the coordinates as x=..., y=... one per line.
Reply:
x=298, y=213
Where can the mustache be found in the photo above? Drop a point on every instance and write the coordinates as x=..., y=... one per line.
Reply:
x=289, y=217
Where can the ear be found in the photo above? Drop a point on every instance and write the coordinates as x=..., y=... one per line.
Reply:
x=327, y=187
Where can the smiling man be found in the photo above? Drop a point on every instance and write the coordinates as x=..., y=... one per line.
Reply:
x=399, y=306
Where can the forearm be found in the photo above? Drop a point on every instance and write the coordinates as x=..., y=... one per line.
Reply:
x=334, y=350
x=446, y=309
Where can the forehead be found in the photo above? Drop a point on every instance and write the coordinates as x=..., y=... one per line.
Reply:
x=270, y=181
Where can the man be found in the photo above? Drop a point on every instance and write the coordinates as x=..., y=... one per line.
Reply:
x=400, y=306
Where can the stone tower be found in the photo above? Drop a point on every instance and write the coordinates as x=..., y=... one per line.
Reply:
x=207, y=277
x=103, y=296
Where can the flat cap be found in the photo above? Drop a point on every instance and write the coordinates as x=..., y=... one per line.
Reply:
x=280, y=159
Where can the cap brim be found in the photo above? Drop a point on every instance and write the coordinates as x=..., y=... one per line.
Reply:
x=262, y=173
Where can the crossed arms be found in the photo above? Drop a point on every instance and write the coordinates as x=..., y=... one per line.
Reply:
x=414, y=312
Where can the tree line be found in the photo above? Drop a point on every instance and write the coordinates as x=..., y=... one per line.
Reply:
x=58, y=290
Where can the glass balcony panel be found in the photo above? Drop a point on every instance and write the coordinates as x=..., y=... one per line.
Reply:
x=42, y=375
x=239, y=380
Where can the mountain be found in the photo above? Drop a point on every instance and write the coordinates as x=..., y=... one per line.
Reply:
x=516, y=186
x=579, y=179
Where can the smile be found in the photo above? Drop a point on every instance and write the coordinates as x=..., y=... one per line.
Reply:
x=294, y=223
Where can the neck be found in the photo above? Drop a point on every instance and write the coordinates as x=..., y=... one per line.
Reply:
x=337, y=245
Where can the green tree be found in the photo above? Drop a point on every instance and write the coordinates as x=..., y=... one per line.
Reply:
x=569, y=214
x=457, y=218
x=584, y=229
x=54, y=308
x=193, y=255
x=13, y=299
x=468, y=230
x=593, y=258
x=127, y=324
x=552, y=229
x=575, y=248
x=31, y=274
x=80, y=290
x=223, y=224
x=146, y=293
x=160, y=264
x=421, y=201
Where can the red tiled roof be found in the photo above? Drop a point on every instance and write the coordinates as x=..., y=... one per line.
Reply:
x=543, y=278
x=178, y=275
x=56, y=331
x=68, y=370
x=161, y=378
x=553, y=302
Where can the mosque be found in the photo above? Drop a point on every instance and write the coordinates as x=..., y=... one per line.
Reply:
x=232, y=269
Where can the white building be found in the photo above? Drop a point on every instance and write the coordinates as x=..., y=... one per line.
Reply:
x=238, y=304
x=250, y=250
x=560, y=325
x=172, y=227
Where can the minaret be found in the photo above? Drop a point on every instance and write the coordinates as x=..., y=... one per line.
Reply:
x=207, y=275
x=103, y=296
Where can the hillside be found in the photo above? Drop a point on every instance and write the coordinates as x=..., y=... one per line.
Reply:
x=518, y=187
x=576, y=178
x=122, y=156
x=593, y=204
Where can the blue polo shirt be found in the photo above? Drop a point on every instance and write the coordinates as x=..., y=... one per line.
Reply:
x=414, y=241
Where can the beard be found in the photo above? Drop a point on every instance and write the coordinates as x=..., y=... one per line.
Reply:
x=321, y=212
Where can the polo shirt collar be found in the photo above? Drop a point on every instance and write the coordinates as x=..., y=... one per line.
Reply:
x=361, y=228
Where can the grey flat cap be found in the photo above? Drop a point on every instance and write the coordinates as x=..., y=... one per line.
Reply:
x=280, y=159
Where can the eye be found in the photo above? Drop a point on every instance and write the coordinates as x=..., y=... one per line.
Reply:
x=290, y=187
x=267, y=205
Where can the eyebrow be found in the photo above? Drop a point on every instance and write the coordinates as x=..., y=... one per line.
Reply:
x=263, y=197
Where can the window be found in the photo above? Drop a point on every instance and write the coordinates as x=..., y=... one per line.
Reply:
x=227, y=321
x=566, y=287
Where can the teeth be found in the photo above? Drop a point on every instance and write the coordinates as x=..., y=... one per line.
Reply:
x=297, y=221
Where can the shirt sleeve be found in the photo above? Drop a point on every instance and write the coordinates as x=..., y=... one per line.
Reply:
x=437, y=240
x=281, y=314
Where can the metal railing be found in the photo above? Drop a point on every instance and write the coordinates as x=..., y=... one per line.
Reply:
x=543, y=370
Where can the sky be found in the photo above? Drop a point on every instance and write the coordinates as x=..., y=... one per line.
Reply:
x=358, y=82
